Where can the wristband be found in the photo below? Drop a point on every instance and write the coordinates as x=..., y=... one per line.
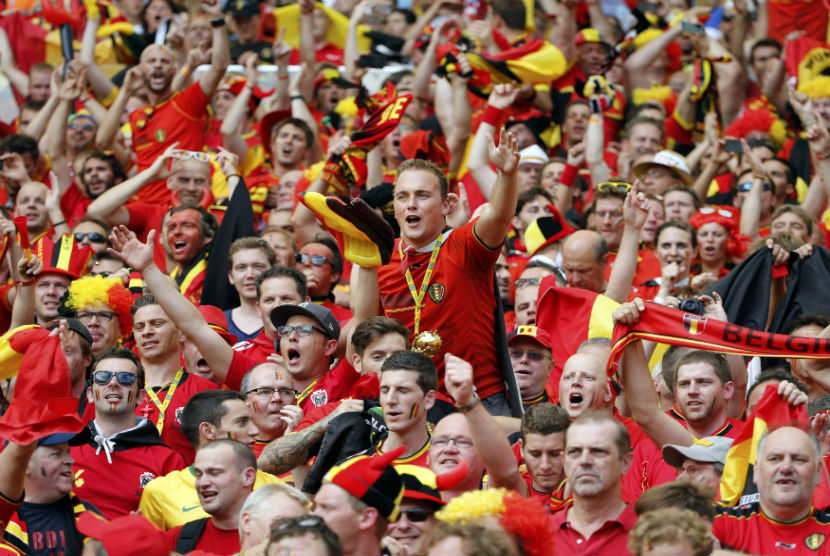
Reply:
x=56, y=224
x=569, y=174
x=822, y=156
x=185, y=71
x=492, y=115
x=233, y=175
x=467, y=407
x=26, y=283
x=297, y=97
x=218, y=22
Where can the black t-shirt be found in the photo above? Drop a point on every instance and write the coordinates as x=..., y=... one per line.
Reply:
x=51, y=527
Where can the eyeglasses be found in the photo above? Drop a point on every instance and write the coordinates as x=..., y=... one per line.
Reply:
x=693, y=470
x=124, y=378
x=613, y=187
x=267, y=393
x=416, y=515
x=201, y=156
x=712, y=210
x=316, y=260
x=532, y=354
x=94, y=237
x=522, y=282
x=747, y=186
x=460, y=442
x=102, y=316
x=304, y=522
x=303, y=330
x=104, y=273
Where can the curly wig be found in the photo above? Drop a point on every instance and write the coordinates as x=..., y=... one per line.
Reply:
x=101, y=290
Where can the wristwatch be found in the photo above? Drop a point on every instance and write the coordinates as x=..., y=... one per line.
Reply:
x=467, y=407
x=218, y=22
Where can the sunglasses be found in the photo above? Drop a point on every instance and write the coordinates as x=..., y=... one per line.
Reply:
x=747, y=186
x=522, y=282
x=85, y=127
x=613, y=187
x=316, y=260
x=712, y=210
x=532, y=354
x=305, y=522
x=94, y=237
x=201, y=156
x=416, y=515
x=303, y=330
x=124, y=378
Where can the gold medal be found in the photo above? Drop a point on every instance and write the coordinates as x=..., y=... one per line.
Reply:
x=427, y=342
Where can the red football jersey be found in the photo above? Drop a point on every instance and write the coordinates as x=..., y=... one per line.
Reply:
x=747, y=529
x=459, y=304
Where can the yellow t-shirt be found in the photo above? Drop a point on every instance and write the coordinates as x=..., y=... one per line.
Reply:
x=171, y=500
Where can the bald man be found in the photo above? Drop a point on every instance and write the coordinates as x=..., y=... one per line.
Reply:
x=31, y=203
x=584, y=258
x=584, y=385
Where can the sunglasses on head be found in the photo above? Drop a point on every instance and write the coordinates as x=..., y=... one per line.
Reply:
x=712, y=210
x=104, y=377
x=613, y=187
x=304, y=522
x=201, y=156
x=94, y=237
x=316, y=260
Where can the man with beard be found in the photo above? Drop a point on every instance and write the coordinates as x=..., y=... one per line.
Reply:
x=117, y=454
x=169, y=117
x=99, y=172
x=50, y=507
x=597, y=455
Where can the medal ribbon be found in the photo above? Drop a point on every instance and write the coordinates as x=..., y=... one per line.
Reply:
x=418, y=296
x=162, y=407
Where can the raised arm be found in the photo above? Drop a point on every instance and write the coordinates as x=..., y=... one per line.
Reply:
x=751, y=207
x=492, y=225
x=110, y=204
x=461, y=128
x=133, y=81
x=18, y=79
x=635, y=213
x=639, y=388
x=478, y=161
x=489, y=440
x=102, y=87
x=187, y=318
x=230, y=129
x=594, y=146
x=220, y=50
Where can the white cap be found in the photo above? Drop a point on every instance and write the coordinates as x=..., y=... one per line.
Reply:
x=667, y=159
x=533, y=155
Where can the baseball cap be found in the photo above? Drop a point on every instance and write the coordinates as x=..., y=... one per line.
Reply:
x=590, y=35
x=318, y=313
x=243, y=8
x=546, y=230
x=56, y=438
x=420, y=483
x=538, y=334
x=667, y=159
x=533, y=155
x=74, y=325
x=709, y=449
x=217, y=320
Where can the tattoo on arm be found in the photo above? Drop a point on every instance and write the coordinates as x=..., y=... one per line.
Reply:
x=287, y=452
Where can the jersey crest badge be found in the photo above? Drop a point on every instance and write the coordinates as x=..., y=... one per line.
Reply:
x=179, y=411
x=160, y=135
x=145, y=478
x=319, y=397
x=814, y=541
x=436, y=292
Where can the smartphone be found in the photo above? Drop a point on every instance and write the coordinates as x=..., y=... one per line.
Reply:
x=694, y=28
x=733, y=146
x=647, y=7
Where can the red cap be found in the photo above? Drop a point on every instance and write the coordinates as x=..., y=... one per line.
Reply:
x=538, y=334
x=126, y=535
x=216, y=319
x=267, y=123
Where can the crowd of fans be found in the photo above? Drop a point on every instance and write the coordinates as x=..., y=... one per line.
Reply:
x=309, y=271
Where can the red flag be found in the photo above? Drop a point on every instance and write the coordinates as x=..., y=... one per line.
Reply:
x=43, y=403
x=571, y=316
x=771, y=413
x=806, y=59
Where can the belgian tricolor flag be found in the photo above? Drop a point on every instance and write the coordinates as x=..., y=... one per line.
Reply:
x=571, y=316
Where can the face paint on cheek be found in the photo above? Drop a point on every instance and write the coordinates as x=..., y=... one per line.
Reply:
x=42, y=472
x=414, y=412
x=129, y=398
x=97, y=396
x=231, y=435
x=256, y=406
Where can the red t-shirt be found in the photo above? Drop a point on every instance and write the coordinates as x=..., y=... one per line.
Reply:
x=611, y=538
x=419, y=458
x=182, y=117
x=73, y=204
x=746, y=529
x=213, y=540
x=459, y=304
x=115, y=488
x=256, y=350
x=172, y=434
x=648, y=267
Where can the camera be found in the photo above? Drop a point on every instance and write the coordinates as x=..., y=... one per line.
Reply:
x=691, y=306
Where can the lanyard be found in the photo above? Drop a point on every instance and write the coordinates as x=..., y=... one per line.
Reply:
x=162, y=407
x=418, y=296
x=305, y=393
